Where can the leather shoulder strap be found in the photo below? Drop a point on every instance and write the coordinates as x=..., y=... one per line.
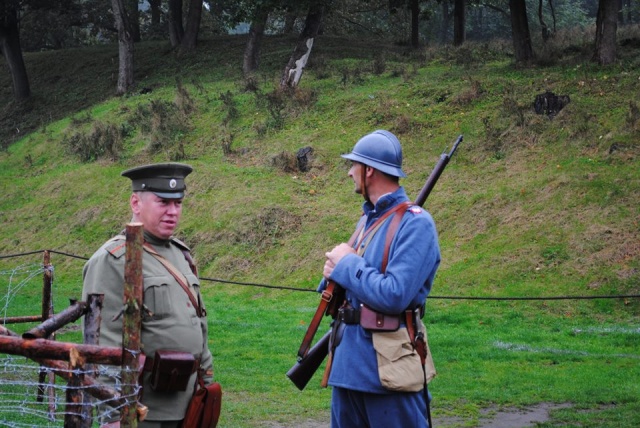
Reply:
x=391, y=232
x=180, y=278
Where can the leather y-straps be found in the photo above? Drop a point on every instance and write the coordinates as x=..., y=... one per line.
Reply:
x=391, y=232
x=371, y=230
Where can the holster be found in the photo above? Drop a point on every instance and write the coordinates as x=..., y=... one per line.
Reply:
x=171, y=370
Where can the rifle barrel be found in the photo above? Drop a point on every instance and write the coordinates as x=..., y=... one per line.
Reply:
x=435, y=174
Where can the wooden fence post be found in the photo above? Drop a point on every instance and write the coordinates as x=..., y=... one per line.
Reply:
x=132, y=318
x=91, y=336
x=73, y=410
x=47, y=312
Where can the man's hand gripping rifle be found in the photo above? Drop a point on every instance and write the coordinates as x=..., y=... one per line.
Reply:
x=310, y=358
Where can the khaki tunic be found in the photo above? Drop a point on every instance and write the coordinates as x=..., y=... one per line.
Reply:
x=171, y=322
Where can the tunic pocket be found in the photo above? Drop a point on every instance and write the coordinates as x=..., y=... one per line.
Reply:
x=157, y=298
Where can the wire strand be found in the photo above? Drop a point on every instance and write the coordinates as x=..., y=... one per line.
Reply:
x=307, y=290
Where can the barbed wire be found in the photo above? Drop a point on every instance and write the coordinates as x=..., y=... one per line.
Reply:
x=31, y=270
x=308, y=290
x=20, y=389
x=29, y=393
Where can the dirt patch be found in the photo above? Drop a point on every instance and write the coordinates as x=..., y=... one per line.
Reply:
x=507, y=417
x=515, y=417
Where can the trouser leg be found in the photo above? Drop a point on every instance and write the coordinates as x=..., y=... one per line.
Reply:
x=354, y=409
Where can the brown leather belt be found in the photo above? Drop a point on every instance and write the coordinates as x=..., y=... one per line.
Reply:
x=148, y=364
x=349, y=315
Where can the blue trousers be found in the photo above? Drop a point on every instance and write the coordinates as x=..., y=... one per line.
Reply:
x=355, y=409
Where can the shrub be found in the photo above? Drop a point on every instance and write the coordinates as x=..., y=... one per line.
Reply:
x=103, y=140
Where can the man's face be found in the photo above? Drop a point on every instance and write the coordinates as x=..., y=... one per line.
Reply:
x=355, y=172
x=159, y=216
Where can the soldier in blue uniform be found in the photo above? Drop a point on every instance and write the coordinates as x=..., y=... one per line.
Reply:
x=172, y=320
x=377, y=377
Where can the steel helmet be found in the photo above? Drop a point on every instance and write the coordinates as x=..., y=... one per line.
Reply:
x=380, y=150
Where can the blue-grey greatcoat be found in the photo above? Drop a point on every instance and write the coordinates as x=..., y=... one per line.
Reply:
x=413, y=259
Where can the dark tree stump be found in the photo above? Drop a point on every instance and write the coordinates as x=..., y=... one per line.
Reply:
x=550, y=103
x=304, y=158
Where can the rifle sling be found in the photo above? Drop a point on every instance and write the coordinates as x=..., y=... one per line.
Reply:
x=327, y=295
x=328, y=292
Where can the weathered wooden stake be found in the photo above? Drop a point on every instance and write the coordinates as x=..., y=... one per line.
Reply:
x=132, y=319
x=47, y=311
x=73, y=410
x=47, y=280
x=47, y=329
x=20, y=320
x=91, y=336
x=50, y=349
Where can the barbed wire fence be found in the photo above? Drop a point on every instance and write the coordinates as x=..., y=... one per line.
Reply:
x=25, y=402
x=60, y=383
x=32, y=396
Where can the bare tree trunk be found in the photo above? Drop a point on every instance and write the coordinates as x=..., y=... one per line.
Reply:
x=543, y=25
x=459, y=23
x=125, y=47
x=446, y=17
x=134, y=19
x=553, y=16
x=415, y=23
x=12, y=52
x=154, y=5
x=520, y=31
x=606, y=28
x=176, y=30
x=621, y=17
x=194, y=17
x=289, y=20
x=297, y=62
x=252, y=50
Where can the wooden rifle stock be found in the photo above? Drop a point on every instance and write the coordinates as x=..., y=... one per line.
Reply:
x=302, y=372
x=309, y=359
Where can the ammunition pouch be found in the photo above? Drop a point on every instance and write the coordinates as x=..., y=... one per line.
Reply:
x=377, y=321
x=368, y=318
x=171, y=370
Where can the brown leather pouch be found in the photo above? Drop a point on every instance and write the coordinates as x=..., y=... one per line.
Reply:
x=172, y=370
x=204, y=407
x=377, y=321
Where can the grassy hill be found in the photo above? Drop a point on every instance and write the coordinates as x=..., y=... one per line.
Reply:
x=530, y=205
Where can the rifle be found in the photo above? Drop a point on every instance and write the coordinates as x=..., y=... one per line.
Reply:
x=310, y=359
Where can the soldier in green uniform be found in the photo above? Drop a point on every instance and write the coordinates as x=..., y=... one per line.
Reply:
x=172, y=320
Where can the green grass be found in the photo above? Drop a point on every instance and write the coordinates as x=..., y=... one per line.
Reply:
x=528, y=206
